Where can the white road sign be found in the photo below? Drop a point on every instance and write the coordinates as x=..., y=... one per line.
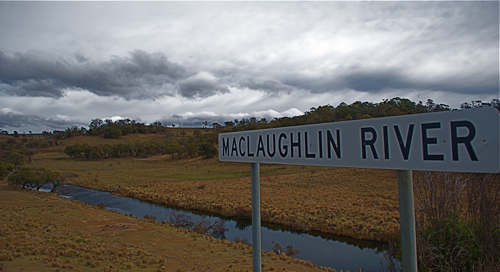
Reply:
x=458, y=141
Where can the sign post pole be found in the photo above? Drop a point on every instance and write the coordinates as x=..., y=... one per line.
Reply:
x=407, y=221
x=256, y=230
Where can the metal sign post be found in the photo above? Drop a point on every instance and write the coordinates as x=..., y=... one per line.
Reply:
x=407, y=221
x=256, y=235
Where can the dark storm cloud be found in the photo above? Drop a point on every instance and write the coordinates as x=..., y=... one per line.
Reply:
x=13, y=118
x=271, y=86
x=376, y=81
x=201, y=85
x=80, y=57
x=142, y=75
x=373, y=81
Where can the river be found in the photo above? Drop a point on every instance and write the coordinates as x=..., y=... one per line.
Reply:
x=338, y=252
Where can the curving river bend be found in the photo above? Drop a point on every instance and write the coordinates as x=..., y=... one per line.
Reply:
x=338, y=252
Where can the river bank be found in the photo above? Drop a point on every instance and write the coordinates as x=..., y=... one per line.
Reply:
x=359, y=203
x=321, y=249
x=43, y=232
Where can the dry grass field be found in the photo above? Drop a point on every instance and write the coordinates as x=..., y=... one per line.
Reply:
x=43, y=232
x=361, y=203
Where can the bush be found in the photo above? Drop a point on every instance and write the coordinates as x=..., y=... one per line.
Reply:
x=35, y=178
x=289, y=250
x=242, y=241
x=5, y=169
x=458, y=221
x=16, y=158
x=150, y=217
x=207, y=150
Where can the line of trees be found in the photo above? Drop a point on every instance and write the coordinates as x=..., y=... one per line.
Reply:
x=327, y=113
x=107, y=129
x=24, y=146
x=344, y=112
x=35, y=178
x=202, y=144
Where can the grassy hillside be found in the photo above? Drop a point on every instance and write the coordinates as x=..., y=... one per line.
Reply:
x=42, y=232
x=360, y=203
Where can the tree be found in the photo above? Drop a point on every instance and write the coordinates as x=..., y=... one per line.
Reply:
x=35, y=177
x=94, y=126
x=191, y=149
x=83, y=131
x=210, y=138
x=205, y=124
x=112, y=131
x=207, y=150
x=180, y=151
x=73, y=151
x=5, y=169
x=216, y=126
x=16, y=158
x=172, y=147
x=430, y=105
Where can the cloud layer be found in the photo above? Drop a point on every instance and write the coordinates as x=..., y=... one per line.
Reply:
x=13, y=119
x=221, y=59
x=200, y=86
x=141, y=75
x=196, y=119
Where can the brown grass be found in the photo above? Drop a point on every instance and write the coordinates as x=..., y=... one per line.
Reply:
x=41, y=232
x=360, y=203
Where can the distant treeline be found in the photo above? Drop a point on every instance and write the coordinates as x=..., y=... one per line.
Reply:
x=109, y=129
x=199, y=144
x=327, y=113
x=343, y=112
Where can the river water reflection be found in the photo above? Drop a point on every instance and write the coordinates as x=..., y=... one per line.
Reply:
x=341, y=253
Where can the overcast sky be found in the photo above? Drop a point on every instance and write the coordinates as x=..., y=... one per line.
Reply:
x=65, y=63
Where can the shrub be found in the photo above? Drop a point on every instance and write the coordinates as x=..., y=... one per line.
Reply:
x=16, y=158
x=180, y=220
x=207, y=150
x=458, y=222
x=5, y=169
x=150, y=217
x=35, y=178
x=289, y=250
x=242, y=241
